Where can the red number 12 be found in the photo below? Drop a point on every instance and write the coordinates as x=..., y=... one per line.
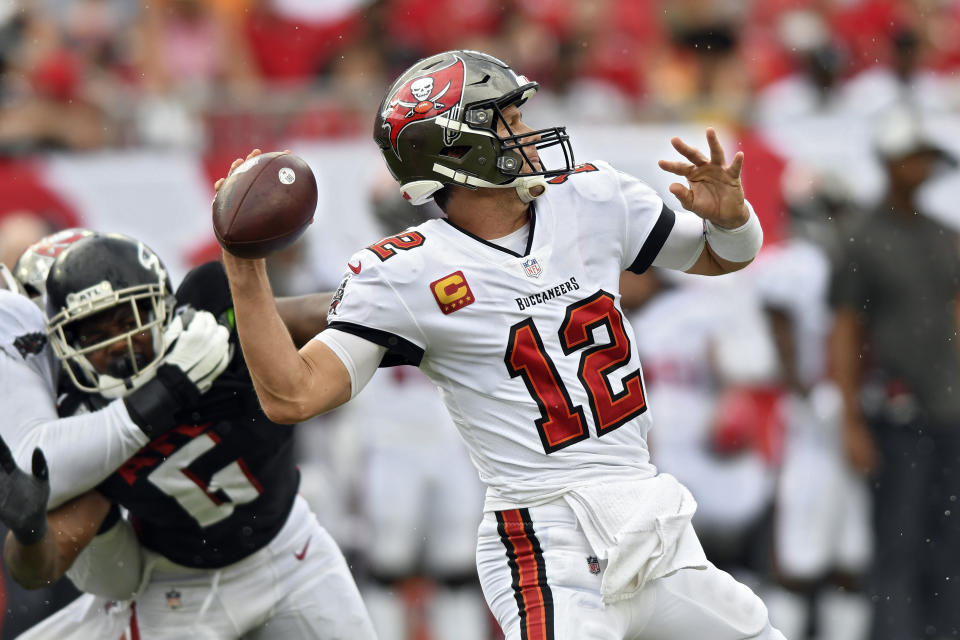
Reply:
x=561, y=424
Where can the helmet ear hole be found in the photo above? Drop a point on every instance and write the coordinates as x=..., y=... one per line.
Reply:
x=456, y=152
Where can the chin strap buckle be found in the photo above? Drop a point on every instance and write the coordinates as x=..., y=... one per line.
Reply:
x=531, y=188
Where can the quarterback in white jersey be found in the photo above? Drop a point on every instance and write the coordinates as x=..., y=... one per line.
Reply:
x=511, y=306
x=521, y=420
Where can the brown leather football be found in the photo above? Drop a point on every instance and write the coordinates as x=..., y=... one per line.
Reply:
x=264, y=205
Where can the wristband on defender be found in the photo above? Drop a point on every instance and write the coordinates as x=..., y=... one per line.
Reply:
x=736, y=245
x=153, y=406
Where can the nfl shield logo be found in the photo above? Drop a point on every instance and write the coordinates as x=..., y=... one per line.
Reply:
x=593, y=563
x=173, y=599
x=532, y=268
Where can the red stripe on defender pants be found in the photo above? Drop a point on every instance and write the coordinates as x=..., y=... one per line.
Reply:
x=134, y=628
x=530, y=588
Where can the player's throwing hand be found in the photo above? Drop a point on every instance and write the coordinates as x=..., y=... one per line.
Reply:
x=23, y=497
x=715, y=192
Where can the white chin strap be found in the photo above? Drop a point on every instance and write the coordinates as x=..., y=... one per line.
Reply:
x=421, y=191
x=530, y=188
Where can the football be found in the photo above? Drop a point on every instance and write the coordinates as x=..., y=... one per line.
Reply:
x=264, y=205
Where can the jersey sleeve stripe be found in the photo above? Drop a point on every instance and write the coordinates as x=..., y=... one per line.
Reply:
x=654, y=242
x=399, y=350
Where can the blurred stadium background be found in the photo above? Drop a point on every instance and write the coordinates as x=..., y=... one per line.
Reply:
x=119, y=115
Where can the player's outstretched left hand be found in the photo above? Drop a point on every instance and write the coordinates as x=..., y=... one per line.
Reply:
x=23, y=496
x=715, y=192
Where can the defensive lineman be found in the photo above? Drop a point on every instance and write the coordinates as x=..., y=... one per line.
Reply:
x=231, y=549
x=510, y=305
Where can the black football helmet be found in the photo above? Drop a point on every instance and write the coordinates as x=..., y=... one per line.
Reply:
x=437, y=125
x=93, y=275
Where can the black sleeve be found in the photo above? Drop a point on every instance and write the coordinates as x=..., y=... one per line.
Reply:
x=654, y=242
x=206, y=287
x=399, y=350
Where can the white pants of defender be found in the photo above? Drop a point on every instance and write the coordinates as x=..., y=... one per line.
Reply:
x=550, y=574
x=298, y=586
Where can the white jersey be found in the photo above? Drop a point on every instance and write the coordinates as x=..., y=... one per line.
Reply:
x=81, y=451
x=533, y=356
x=793, y=277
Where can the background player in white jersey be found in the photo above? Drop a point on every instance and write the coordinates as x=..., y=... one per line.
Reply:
x=823, y=542
x=230, y=549
x=510, y=306
x=684, y=334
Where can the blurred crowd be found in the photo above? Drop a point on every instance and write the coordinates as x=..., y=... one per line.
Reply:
x=811, y=435
x=84, y=74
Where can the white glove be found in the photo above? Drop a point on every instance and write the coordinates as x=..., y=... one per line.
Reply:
x=199, y=345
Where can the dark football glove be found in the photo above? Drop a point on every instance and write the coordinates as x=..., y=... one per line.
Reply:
x=23, y=496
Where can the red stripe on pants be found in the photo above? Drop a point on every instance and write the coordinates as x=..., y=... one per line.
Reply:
x=529, y=578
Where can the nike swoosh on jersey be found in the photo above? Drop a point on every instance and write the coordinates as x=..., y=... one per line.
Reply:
x=355, y=269
x=303, y=552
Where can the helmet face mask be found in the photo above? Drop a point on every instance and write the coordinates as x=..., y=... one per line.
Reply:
x=109, y=303
x=438, y=125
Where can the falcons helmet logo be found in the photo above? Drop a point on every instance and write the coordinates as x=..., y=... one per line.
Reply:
x=423, y=98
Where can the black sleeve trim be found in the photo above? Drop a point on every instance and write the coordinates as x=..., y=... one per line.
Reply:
x=399, y=350
x=650, y=249
x=109, y=520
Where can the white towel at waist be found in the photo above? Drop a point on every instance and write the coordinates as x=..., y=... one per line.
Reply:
x=641, y=527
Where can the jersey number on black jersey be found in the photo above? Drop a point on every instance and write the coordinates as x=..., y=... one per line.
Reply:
x=206, y=502
x=562, y=424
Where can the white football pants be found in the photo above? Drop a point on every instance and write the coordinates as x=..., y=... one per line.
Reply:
x=548, y=588
x=297, y=587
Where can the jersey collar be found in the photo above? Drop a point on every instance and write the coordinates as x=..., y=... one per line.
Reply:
x=526, y=252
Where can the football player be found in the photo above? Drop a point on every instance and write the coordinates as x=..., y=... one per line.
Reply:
x=823, y=553
x=82, y=450
x=510, y=305
x=94, y=446
x=229, y=547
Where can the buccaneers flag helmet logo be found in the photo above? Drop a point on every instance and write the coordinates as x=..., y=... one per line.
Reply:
x=422, y=98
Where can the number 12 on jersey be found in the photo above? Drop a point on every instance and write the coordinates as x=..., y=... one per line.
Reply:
x=562, y=424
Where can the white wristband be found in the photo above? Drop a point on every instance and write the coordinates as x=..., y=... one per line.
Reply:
x=736, y=245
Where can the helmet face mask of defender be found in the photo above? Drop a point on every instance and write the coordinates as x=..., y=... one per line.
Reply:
x=438, y=125
x=109, y=302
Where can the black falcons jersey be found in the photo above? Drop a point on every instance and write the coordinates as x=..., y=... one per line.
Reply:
x=219, y=486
